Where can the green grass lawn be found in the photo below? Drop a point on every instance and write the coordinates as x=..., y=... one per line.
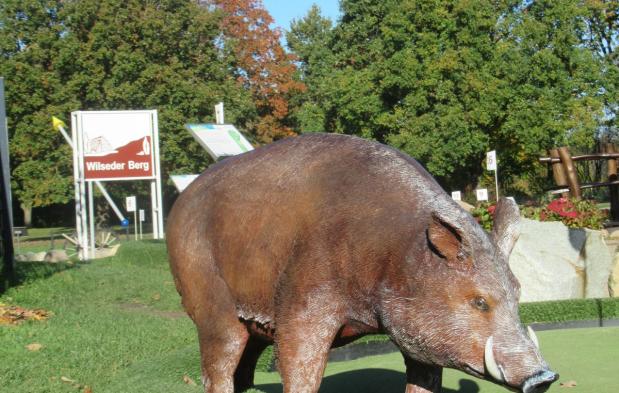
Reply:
x=586, y=356
x=118, y=327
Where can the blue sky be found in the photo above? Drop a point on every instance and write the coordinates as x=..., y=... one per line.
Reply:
x=284, y=11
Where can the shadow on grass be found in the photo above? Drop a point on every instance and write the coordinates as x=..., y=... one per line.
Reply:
x=369, y=381
x=31, y=271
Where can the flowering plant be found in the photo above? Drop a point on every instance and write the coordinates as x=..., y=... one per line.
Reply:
x=484, y=214
x=573, y=213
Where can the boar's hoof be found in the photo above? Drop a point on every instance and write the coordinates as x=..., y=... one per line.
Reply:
x=539, y=382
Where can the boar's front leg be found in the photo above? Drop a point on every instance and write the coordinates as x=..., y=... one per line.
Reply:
x=305, y=331
x=421, y=378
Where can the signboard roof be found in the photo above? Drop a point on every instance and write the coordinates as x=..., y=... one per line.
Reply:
x=220, y=140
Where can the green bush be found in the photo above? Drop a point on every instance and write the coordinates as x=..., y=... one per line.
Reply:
x=569, y=310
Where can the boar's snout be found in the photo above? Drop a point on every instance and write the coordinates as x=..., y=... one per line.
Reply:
x=539, y=382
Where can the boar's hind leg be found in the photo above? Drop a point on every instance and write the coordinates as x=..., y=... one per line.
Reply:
x=421, y=378
x=244, y=375
x=222, y=337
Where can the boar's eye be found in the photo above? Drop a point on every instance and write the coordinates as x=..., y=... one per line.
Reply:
x=480, y=303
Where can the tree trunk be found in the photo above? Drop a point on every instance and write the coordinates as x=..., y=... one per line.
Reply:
x=27, y=214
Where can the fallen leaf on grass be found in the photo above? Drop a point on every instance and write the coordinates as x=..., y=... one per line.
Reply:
x=87, y=389
x=188, y=380
x=34, y=347
x=67, y=380
x=156, y=296
x=568, y=384
x=13, y=315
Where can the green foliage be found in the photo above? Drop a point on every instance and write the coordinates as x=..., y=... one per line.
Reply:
x=446, y=81
x=484, y=214
x=61, y=56
x=570, y=310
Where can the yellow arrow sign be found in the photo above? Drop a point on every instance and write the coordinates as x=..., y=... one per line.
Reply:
x=56, y=122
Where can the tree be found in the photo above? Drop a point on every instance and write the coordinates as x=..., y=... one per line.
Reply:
x=60, y=56
x=446, y=81
x=260, y=64
x=309, y=39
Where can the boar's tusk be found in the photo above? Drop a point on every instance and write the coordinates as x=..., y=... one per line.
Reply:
x=533, y=336
x=491, y=366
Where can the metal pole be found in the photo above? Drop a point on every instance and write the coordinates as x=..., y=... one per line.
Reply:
x=78, y=185
x=135, y=222
x=496, y=181
x=6, y=214
x=91, y=216
x=158, y=206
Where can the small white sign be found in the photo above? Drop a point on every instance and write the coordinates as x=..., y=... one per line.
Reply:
x=456, y=195
x=491, y=160
x=142, y=215
x=130, y=202
x=182, y=181
x=482, y=194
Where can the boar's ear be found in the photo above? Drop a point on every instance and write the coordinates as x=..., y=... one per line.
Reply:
x=446, y=240
x=506, y=225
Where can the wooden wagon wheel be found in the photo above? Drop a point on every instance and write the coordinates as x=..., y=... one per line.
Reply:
x=71, y=245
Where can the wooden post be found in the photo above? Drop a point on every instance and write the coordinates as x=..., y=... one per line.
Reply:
x=570, y=171
x=558, y=173
x=613, y=189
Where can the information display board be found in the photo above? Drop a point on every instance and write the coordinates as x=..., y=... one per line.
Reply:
x=109, y=146
x=117, y=145
x=220, y=140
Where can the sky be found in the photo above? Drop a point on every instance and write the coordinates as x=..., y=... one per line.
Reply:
x=284, y=11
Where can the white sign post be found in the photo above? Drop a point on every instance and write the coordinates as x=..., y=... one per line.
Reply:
x=491, y=165
x=109, y=146
x=219, y=113
x=142, y=219
x=132, y=207
x=456, y=195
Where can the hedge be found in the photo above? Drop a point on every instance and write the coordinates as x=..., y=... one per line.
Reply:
x=540, y=312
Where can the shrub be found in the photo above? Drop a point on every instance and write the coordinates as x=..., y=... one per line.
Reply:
x=571, y=212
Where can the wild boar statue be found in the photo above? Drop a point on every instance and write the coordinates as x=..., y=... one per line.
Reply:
x=312, y=242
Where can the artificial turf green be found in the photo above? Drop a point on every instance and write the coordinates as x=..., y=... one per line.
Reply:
x=118, y=327
x=586, y=356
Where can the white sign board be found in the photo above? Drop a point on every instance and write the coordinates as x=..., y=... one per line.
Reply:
x=182, y=181
x=117, y=145
x=482, y=194
x=491, y=160
x=130, y=201
x=219, y=140
x=142, y=216
x=456, y=195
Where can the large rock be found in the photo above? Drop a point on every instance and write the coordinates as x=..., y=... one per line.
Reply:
x=55, y=256
x=553, y=262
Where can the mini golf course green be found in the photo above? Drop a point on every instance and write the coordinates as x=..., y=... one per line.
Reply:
x=589, y=357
